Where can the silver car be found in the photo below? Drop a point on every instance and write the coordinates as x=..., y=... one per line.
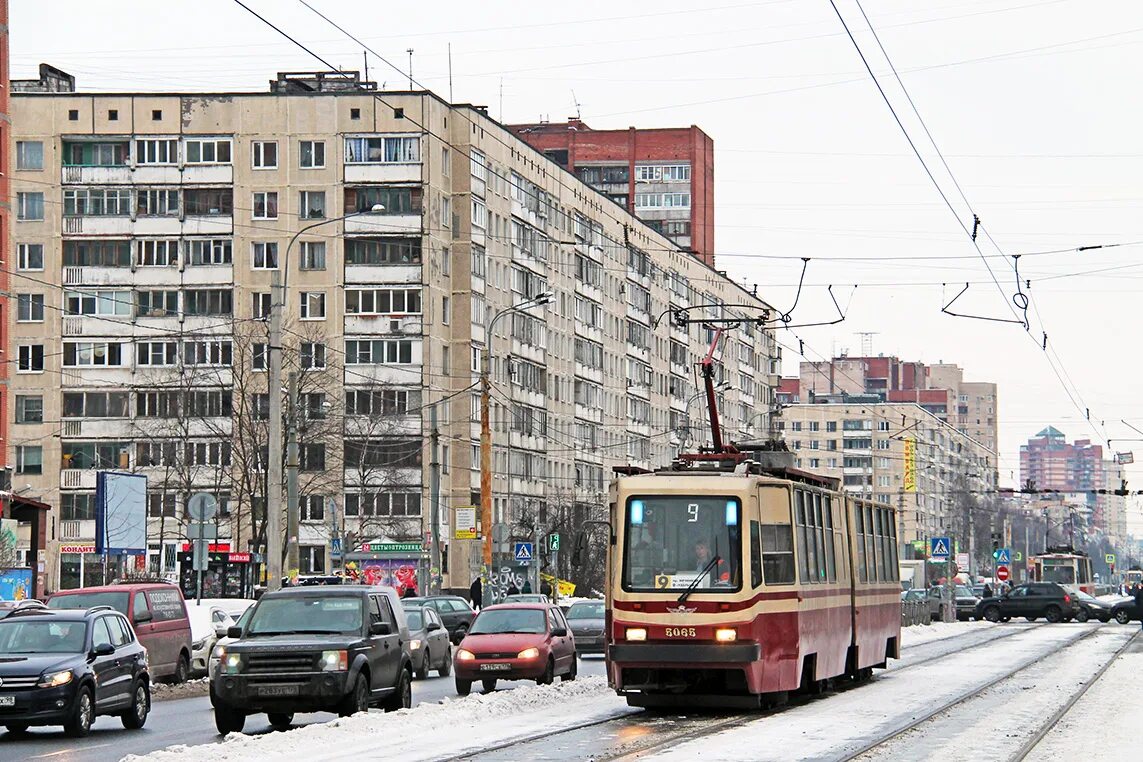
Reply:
x=587, y=622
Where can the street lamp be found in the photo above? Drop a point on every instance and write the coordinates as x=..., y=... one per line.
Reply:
x=274, y=467
x=486, y=431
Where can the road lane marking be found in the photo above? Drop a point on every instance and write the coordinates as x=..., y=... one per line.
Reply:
x=68, y=751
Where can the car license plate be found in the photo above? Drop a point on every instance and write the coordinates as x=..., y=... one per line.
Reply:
x=277, y=690
x=7, y=700
x=495, y=667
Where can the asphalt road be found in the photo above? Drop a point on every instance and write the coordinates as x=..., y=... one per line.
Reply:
x=189, y=721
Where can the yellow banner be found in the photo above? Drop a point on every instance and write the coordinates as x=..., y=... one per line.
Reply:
x=910, y=465
x=563, y=587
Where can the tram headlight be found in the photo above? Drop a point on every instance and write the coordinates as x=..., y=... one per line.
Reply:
x=725, y=635
x=636, y=633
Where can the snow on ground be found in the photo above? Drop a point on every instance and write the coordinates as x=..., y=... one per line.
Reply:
x=1102, y=723
x=824, y=728
x=429, y=731
x=919, y=634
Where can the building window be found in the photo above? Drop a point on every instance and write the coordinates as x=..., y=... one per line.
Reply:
x=261, y=301
x=73, y=115
x=379, y=352
x=313, y=205
x=113, y=115
x=266, y=205
x=265, y=154
x=97, y=202
x=312, y=154
x=29, y=154
x=209, y=202
x=312, y=256
x=214, y=301
x=313, y=305
x=157, y=151
x=444, y=310
x=29, y=206
x=31, y=358
x=265, y=255
x=383, y=251
x=158, y=253
x=30, y=256
x=662, y=201
x=77, y=506
x=210, y=252
x=312, y=356
x=355, y=113
x=30, y=308
x=29, y=459
x=383, y=301
x=156, y=115
x=92, y=154
x=92, y=354
x=157, y=203
x=260, y=359
x=217, y=353
x=29, y=408
x=378, y=150
x=156, y=353
x=312, y=507
x=208, y=151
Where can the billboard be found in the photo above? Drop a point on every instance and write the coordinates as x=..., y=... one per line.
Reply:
x=120, y=513
x=910, y=465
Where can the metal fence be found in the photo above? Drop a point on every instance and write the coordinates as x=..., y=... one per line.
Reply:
x=915, y=612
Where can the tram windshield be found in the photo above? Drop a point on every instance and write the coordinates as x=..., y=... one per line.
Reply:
x=1062, y=571
x=671, y=543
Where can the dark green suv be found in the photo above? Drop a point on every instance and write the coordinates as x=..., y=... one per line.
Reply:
x=325, y=648
x=65, y=666
x=1031, y=601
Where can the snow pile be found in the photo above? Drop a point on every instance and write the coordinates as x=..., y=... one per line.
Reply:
x=921, y=633
x=428, y=731
x=189, y=689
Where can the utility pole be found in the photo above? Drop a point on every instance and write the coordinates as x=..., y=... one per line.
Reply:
x=435, y=504
x=293, y=512
x=971, y=549
x=274, y=467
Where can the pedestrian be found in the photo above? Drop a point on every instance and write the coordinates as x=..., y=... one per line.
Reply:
x=410, y=592
x=987, y=591
x=546, y=589
x=1138, y=595
x=476, y=593
x=513, y=590
x=527, y=586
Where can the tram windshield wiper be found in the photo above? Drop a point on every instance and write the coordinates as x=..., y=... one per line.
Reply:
x=709, y=565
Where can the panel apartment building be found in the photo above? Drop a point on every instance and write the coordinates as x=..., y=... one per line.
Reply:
x=149, y=228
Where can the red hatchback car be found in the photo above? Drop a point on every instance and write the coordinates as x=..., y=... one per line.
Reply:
x=516, y=641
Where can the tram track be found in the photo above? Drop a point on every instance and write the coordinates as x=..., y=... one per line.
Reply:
x=699, y=726
x=968, y=695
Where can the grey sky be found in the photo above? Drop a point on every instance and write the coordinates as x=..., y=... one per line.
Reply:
x=1032, y=104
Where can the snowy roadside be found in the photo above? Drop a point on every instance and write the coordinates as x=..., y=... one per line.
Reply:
x=920, y=634
x=430, y=731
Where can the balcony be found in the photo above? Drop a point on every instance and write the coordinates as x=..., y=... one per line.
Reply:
x=374, y=325
x=383, y=274
x=77, y=530
x=383, y=173
x=78, y=478
x=380, y=224
x=96, y=175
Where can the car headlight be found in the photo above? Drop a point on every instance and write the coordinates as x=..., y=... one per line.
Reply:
x=232, y=664
x=218, y=653
x=334, y=661
x=55, y=679
x=198, y=645
x=636, y=633
x=529, y=653
x=465, y=655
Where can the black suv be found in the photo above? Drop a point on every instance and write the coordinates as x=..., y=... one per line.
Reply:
x=1031, y=601
x=454, y=611
x=322, y=648
x=64, y=667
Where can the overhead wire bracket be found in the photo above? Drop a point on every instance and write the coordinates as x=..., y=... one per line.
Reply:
x=945, y=309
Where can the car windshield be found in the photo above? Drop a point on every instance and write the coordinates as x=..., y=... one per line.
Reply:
x=25, y=636
x=495, y=621
x=114, y=599
x=1081, y=595
x=415, y=618
x=526, y=598
x=963, y=591
x=306, y=614
x=585, y=611
x=671, y=543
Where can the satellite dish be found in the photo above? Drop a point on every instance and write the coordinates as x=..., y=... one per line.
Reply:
x=202, y=506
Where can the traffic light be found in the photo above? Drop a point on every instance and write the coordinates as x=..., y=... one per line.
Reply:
x=995, y=541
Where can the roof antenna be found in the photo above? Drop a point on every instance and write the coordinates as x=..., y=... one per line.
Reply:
x=450, y=76
x=365, y=55
x=576, y=103
x=410, y=52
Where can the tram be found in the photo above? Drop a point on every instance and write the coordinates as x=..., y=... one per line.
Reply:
x=734, y=579
x=1066, y=566
x=1132, y=577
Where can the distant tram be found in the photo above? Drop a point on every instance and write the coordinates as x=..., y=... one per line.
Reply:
x=733, y=584
x=1065, y=566
x=1132, y=577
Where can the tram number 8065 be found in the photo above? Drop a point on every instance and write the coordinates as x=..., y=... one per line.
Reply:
x=680, y=632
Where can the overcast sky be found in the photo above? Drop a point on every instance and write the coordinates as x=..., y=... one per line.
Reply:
x=1034, y=105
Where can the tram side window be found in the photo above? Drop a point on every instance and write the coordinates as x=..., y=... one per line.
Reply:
x=755, y=553
x=803, y=547
x=859, y=542
x=829, y=539
x=777, y=554
x=871, y=553
x=890, y=544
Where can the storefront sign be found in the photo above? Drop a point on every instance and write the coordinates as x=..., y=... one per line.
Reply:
x=465, y=527
x=77, y=548
x=392, y=547
x=215, y=547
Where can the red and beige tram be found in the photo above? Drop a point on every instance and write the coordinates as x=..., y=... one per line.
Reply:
x=733, y=585
x=1065, y=566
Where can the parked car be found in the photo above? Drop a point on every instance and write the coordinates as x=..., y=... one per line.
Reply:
x=429, y=642
x=1031, y=601
x=8, y=607
x=965, y=603
x=932, y=596
x=1090, y=607
x=320, y=648
x=235, y=607
x=67, y=667
x=516, y=641
x=526, y=598
x=156, y=611
x=454, y=611
x=208, y=624
x=587, y=622
x=1125, y=611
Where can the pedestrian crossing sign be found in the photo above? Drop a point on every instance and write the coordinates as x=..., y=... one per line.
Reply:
x=1003, y=557
x=523, y=552
x=939, y=548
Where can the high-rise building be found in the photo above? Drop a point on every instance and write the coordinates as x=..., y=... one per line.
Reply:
x=5, y=226
x=151, y=226
x=663, y=176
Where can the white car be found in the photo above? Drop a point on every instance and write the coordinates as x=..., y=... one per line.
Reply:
x=208, y=623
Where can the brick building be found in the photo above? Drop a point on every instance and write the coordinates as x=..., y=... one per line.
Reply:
x=665, y=177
